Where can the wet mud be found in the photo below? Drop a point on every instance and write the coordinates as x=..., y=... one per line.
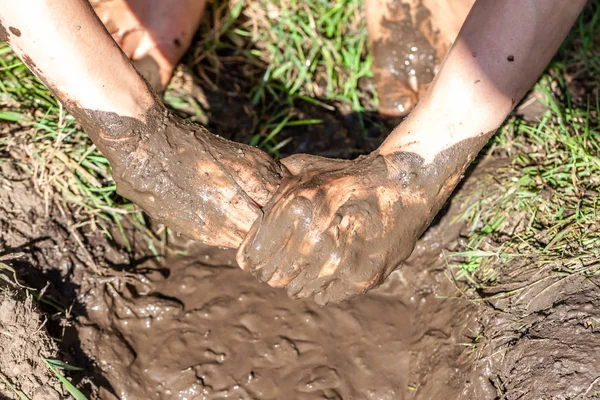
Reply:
x=198, y=325
x=207, y=330
x=203, y=186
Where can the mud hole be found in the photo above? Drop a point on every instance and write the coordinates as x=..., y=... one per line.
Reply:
x=196, y=327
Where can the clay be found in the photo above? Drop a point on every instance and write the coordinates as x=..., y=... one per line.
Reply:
x=406, y=56
x=200, y=185
x=336, y=229
x=23, y=347
x=208, y=331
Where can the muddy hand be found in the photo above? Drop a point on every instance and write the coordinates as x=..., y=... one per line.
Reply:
x=335, y=228
x=198, y=184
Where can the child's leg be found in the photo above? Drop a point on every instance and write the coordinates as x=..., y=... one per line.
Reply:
x=409, y=39
x=153, y=34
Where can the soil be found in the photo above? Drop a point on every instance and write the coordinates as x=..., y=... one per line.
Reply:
x=24, y=346
x=197, y=327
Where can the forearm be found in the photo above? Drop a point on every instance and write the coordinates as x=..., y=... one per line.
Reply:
x=501, y=50
x=68, y=48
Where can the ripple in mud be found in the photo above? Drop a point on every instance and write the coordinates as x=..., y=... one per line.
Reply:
x=209, y=331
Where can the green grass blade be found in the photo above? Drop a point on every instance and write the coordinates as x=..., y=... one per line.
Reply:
x=20, y=394
x=66, y=383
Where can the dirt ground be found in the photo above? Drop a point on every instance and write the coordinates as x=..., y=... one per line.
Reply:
x=24, y=345
x=191, y=325
x=196, y=327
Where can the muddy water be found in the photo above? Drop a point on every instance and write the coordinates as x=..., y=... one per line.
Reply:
x=197, y=328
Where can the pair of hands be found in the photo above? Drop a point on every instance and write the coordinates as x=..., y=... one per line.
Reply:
x=322, y=228
x=333, y=229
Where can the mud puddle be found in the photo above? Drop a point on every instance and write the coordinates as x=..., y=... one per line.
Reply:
x=197, y=327
x=207, y=330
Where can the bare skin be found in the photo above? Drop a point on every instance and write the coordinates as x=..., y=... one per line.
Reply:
x=153, y=35
x=382, y=201
x=501, y=50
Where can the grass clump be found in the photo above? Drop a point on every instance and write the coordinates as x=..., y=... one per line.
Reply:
x=317, y=48
x=544, y=208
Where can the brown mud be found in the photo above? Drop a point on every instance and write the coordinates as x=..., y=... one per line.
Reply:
x=217, y=185
x=209, y=331
x=197, y=326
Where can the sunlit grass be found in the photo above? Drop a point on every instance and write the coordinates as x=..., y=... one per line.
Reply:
x=544, y=208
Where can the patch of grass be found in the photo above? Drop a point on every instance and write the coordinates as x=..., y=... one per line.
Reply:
x=293, y=55
x=317, y=48
x=544, y=208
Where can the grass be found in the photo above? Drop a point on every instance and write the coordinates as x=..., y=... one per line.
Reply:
x=290, y=58
x=542, y=211
x=317, y=48
x=54, y=366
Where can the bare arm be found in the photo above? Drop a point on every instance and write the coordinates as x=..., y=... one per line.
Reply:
x=68, y=48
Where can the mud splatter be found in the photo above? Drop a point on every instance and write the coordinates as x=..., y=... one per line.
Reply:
x=15, y=31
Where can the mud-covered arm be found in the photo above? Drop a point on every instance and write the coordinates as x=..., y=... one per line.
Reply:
x=196, y=183
x=337, y=229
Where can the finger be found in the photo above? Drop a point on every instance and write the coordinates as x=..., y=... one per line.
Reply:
x=324, y=261
x=272, y=246
x=351, y=267
x=240, y=256
x=299, y=164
